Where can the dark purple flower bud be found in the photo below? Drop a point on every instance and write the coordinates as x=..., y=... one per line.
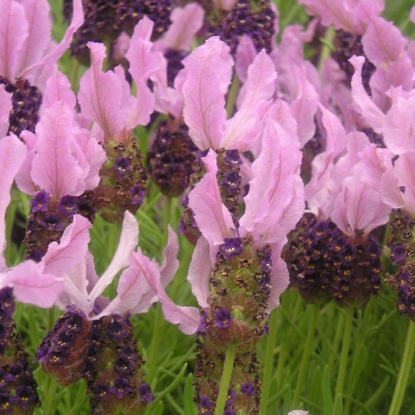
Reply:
x=223, y=318
x=231, y=247
x=52, y=223
x=202, y=323
x=68, y=205
x=232, y=158
x=40, y=202
x=122, y=166
x=231, y=181
x=398, y=254
x=145, y=393
x=230, y=399
x=121, y=387
x=205, y=405
x=137, y=195
x=248, y=389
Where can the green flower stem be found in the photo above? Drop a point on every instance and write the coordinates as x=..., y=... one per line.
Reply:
x=49, y=405
x=230, y=105
x=406, y=365
x=155, y=345
x=167, y=218
x=327, y=48
x=268, y=364
x=347, y=334
x=306, y=355
x=336, y=342
x=225, y=380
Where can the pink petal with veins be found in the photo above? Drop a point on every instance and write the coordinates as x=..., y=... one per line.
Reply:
x=212, y=217
x=5, y=108
x=55, y=169
x=258, y=89
x=209, y=71
x=13, y=33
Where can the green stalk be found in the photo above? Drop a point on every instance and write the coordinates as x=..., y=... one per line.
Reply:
x=336, y=342
x=225, y=380
x=49, y=406
x=269, y=360
x=230, y=105
x=406, y=365
x=306, y=355
x=345, y=351
x=327, y=47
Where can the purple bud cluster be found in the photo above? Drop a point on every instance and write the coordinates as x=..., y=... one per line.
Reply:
x=106, y=19
x=26, y=101
x=401, y=242
x=325, y=265
x=17, y=385
x=254, y=19
x=171, y=158
x=112, y=368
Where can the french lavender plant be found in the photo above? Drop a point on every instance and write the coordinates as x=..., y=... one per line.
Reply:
x=286, y=129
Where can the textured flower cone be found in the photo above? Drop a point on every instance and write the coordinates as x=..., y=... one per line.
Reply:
x=123, y=182
x=48, y=219
x=236, y=318
x=325, y=265
x=113, y=369
x=62, y=352
x=401, y=244
x=26, y=100
x=254, y=18
x=17, y=385
x=106, y=19
x=171, y=158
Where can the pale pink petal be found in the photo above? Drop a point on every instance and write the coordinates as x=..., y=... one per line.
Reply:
x=5, y=108
x=212, y=217
x=209, y=71
x=58, y=88
x=245, y=55
x=54, y=55
x=144, y=62
x=13, y=32
x=257, y=90
x=75, y=289
x=270, y=211
x=365, y=106
x=55, y=169
x=170, y=263
x=24, y=179
x=186, y=22
x=412, y=15
x=335, y=143
x=279, y=277
x=39, y=33
x=359, y=208
x=12, y=155
x=71, y=249
x=382, y=42
x=132, y=286
x=31, y=285
x=304, y=107
x=90, y=155
x=100, y=94
x=399, y=127
x=200, y=270
x=389, y=187
x=405, y=173
x=186, y=317
x=128, y=242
